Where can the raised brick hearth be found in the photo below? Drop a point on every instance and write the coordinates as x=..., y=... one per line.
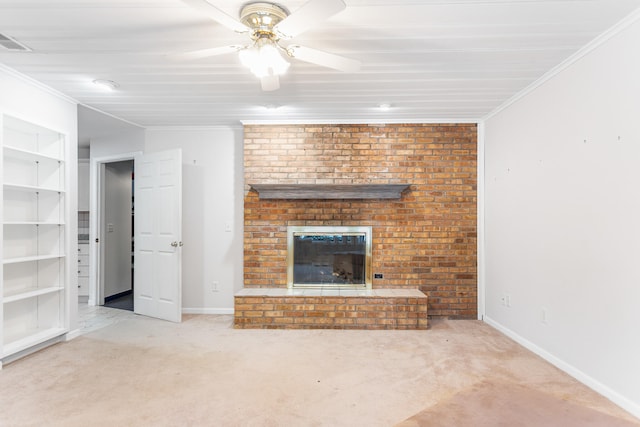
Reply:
x=271, y=308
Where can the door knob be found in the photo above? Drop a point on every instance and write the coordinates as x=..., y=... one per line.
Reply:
x=174, y=244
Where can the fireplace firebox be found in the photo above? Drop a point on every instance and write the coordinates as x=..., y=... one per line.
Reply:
x=336, y=257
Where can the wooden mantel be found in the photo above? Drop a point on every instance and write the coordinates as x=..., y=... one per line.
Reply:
x=329, y=191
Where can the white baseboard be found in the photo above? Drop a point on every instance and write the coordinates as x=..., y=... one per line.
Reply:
x=72, y=334
x=615, y=397
x=207, y=310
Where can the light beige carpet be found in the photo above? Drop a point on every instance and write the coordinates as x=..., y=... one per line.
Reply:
x=489, y=404
x=146, y=372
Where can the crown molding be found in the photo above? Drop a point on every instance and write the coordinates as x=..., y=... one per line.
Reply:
x=35, y=83
x=581, y=53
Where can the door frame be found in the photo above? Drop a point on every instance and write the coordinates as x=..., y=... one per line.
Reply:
x=96, y=213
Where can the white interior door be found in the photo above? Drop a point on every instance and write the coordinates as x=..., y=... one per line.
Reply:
x=157, y=284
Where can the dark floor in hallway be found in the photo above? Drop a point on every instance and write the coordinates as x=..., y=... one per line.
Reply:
x=122, y=301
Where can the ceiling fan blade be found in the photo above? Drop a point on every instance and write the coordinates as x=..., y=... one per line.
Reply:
x=324, y=59
x=308, y=15
x=270, y=83
x=205, y=53
x=217, y=15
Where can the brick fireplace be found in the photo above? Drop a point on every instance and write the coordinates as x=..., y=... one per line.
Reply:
x=424, y=240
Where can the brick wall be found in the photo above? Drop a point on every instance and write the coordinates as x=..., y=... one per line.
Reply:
x=425, y=240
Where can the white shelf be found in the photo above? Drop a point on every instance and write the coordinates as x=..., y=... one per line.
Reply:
x=31, y=258
x=31, y=294
x=19, y=153
x=34, y=337
x=33, y=223
x=30, y=137
x=31, y=188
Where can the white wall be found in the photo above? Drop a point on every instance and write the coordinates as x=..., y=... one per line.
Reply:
x=27, y=100
x=563, y=219
x=212, y=214
x=117, y=233
x=212, y=204
x=117, y=143
x=83, y=153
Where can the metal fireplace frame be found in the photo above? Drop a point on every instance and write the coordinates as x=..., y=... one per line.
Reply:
x=330, y=230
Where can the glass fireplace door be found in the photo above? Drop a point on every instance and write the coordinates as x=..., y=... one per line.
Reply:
x=329, y=256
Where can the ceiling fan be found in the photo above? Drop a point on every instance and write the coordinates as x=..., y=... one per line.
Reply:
x=267, y=25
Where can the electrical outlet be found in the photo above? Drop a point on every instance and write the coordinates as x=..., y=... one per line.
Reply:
x=544, y=316
x=505, y=300
x=215, y=285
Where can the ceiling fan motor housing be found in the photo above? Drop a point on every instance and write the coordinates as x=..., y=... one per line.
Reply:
x=262, y=18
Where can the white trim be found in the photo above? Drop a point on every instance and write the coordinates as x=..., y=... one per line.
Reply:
x=615, y=397
x=588, y=48
x=39, y=85
x=30, y=350
x=362, y=121
x=72, y=334
x=97, y=110
x=195, y=128
x=207, y=310
x=480, y=256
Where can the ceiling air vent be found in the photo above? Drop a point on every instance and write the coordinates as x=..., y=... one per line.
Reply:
x=11, y=44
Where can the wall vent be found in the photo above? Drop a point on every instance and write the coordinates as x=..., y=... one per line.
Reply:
x=11, y=44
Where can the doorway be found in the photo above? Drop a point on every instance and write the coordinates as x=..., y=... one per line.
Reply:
x=116, y=224
x=157, y=224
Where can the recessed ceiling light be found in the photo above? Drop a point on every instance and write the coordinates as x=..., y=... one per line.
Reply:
x=384, y=107
x=106, y=84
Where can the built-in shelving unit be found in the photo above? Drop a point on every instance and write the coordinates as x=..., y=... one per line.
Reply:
x=34, y=274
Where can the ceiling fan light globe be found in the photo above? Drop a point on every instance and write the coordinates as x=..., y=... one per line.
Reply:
x=273, y=60
x=260, y=70
x=281, y=68
x=264, y=61
x=249, y=57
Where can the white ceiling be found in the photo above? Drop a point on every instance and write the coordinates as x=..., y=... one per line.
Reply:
x=429, y=59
